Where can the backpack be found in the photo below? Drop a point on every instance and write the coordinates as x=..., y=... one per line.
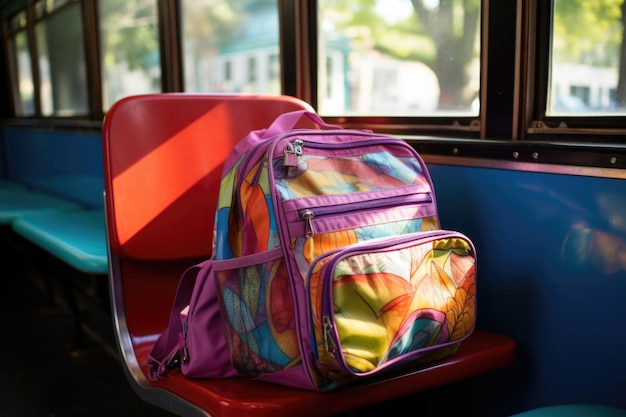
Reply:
x=328, y=265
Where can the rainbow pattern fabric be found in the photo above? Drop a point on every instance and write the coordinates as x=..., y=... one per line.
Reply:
x=325, y=262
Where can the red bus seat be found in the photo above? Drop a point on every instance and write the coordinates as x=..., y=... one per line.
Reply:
x=163, y=156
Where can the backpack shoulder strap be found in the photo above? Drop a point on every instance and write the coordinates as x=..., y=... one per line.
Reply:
x=165, y=353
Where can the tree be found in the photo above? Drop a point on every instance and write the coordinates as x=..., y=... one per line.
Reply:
x=587, y=31
x=591, y=32
x=440, y=33
x=131, y=30
x=130, y=33
x=453, y=27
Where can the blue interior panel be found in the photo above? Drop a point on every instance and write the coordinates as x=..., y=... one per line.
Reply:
x=551, y=273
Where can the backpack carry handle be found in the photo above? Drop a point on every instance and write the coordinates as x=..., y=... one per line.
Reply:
x=282, y=124
x=287, y=121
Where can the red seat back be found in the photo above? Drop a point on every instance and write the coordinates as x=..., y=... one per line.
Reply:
x=163, y=157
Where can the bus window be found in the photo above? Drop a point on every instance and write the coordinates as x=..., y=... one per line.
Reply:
x=21, y=67
x=398, y=58
x=130, y=59
x=230, y=46
x=585, y=73
x=61, y=58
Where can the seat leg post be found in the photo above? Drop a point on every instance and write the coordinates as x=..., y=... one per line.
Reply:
x=74, y=311
x=49, y=288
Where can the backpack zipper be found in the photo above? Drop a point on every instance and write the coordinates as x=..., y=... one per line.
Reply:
x=292, y=151
x=308, y=215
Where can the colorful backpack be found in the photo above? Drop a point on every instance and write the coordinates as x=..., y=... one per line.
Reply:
x=328, y=265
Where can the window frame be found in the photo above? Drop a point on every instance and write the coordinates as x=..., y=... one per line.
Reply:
x=10, y=34
x=306, y=85
x=45, y=19
x=512, y=96
x=568, y=129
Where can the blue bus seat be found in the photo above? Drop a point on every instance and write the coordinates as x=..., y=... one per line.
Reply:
x=163, y=157
x=76, y=237
x=64, y=229
x=15, y=203
x=574, y=410
x=7, y=185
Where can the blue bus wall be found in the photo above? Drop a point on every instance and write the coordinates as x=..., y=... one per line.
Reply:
x=3, y=163
x=551, y=273
x=66, y=164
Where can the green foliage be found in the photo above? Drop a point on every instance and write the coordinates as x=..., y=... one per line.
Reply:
x=129, y=33
x=212, y=24
x=404, y=38
x=587, y=31
x=443, y=34
x=130, y=30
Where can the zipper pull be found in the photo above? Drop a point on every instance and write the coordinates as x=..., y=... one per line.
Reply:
x=293, y=151
x=331, y=347
x=309, y=246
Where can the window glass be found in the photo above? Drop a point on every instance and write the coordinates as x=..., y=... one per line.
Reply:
x=399, y=57
x=231, y=46
x=587, y=77
x=48, y=6
x=129, y=45
x=21, y=67
x=61, y=61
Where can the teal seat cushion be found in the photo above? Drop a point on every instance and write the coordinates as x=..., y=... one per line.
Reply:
x=574, y=410
x=6, y=184
x=76, y=237
x=17, y=203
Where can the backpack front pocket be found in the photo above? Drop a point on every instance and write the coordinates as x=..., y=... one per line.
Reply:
x=389, y=302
